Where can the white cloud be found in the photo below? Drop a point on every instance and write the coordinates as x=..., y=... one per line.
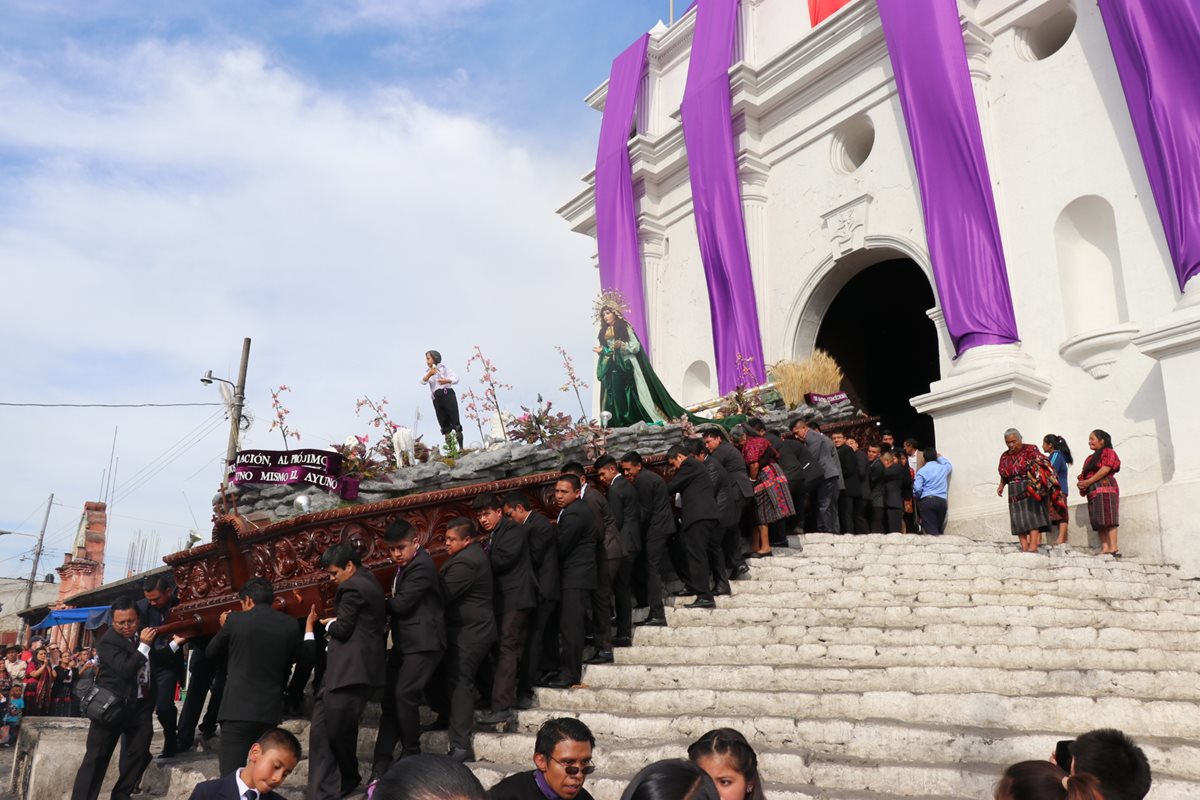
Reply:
x=207, y=194
x=401, y=13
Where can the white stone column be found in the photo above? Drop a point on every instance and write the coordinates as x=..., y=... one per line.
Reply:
x=754, y=172
x=1174, y=341
x=652, y=242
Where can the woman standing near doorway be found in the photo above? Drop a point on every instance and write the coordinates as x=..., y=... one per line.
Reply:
x=1055, y=447
x=1097, y=482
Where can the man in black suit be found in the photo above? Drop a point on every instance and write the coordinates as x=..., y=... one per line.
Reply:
x=658, y=525
x=268, y=763
x=610, y=551
x=730, y=459
x=206, y=681
x=861, y=524
x=259, y=646
x=123, y=655
x=514, y=595
x=874, y=489
x=543, y=557
x=722, y=489
x=894, y=475
x=418, y=625
x=699, y=518
x=354, y=667
x=562, y=757
x=626, y=513
x=468, y=589
x=850, y=500
x=576, y=541
x=166, y=655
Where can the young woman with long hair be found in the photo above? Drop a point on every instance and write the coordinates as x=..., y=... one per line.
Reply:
x=1056, y=449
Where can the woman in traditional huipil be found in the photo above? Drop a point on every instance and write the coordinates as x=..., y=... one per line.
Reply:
x=1032, y=490
x=1056, y=449
x=1097, y=482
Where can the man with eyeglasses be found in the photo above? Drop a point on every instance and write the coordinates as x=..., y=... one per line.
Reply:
x=562, y=755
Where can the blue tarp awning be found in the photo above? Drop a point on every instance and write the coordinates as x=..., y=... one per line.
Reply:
x=91, y=618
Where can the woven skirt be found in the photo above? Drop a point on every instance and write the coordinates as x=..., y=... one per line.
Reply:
x=1028, y=515
x=1103, y=510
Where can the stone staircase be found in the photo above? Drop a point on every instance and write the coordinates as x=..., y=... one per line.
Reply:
x=900, y=666
x=863, y=668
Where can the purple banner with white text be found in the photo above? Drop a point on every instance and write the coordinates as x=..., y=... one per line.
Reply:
x=319, y=468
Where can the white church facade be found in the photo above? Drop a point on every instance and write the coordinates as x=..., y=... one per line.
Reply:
x=839, y=259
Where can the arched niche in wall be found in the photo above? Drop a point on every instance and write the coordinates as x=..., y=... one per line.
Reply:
x=1095, y=311
x=697, y=383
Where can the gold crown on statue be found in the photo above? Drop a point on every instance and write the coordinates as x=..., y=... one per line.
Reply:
x=611, y=299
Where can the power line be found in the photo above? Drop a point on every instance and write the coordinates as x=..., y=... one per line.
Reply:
x=108, y=405
x=170, y=450
x=125, y=493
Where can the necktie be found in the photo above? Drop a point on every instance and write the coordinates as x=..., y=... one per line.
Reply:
x=250, y=795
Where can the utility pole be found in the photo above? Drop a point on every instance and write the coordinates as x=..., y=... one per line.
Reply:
x=672, y=22
x=235, y=416
x=37, y=557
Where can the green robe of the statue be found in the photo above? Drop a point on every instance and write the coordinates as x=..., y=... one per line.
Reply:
x=629, y=388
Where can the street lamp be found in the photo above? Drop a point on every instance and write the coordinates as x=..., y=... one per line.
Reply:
x=235, y=412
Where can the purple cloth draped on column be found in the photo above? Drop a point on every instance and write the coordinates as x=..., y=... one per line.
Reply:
x=929, y=60
x=1156, y=44
x=716, y=193
x=616, y=219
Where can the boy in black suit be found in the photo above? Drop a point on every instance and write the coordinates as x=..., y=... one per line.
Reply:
x=418, y=641
x=543, y=555
x=627, y=517
x=470, y=631
x=270, y=760
x=658, y=526
x=514, y=595
x=700, y=517
x=123, y=655
x=259, y=645
x=354, y=667
x=577, y=564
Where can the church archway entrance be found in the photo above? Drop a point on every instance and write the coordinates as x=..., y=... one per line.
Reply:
x=878, y=331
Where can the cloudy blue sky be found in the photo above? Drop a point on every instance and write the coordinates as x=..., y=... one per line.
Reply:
x=348, y=182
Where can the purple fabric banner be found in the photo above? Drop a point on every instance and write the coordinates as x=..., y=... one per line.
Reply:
x=616, y=219
x=716, y=194
x=1156, y=44
x=929, y=60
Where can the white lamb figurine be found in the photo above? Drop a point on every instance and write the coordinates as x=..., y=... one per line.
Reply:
x=402, y=441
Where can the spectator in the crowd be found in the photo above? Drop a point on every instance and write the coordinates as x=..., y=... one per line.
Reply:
x=541, y=643
x=39, y=683
x=1112, y=757
x=562, y=760
x=14, y=711
x=1098, y=483
x=671, y=779
x=658, y=525
x=732, y=462
x=65, y=674
x=627, y=517
x=14, y=665
x=576, y=541
x=124, y=656
x=931, y=489
x=1041, y=780
x=825, y=454
x=850, y=499
x=914, y=455
x=1026, y=472
x=514, y=595
x=418, y=624
x=888, y=439
x=467, y=587
x=427, y=777
x=731, y=763
x=700, y=522
x=1055, y=447
x=166, y=656
x=269, y=762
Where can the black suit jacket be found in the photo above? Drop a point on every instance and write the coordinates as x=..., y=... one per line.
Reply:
x=656, y=504
x=468, y=588
x=512, y=568
x=543, y=553
x=415, y=609
x=120, y=663
x=577, y=547
x=609, y=542
x=722, y=492
x=696, y=496
x=355, y=655
x=893, y=486
x=849, y=461
x=261, y=645
x=730, y=459
x=161, y=655
x=224, y=789
x=789, y=460
x=875, y=482
x=522, y=786
x=626, y=513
